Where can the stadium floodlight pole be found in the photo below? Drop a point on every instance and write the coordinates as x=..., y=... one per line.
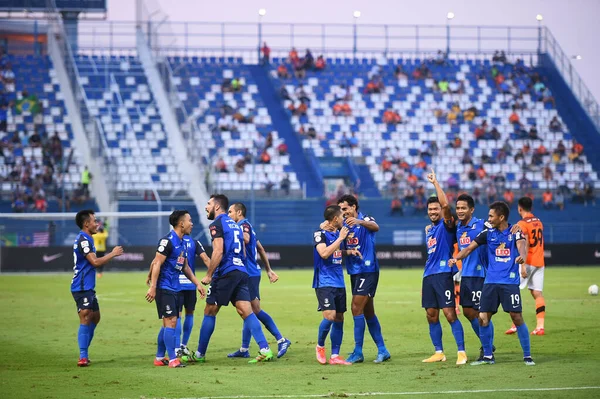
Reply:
x=356, y=15
x=539, y=18
x=449, y=17
x=261, y=13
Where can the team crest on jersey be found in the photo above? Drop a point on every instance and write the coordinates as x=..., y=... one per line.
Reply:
x=464, y=239
x=502, y=250
x=351, y=240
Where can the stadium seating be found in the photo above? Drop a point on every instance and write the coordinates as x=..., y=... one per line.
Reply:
x=416, y=101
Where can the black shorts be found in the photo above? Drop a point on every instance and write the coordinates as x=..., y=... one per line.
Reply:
x=331, y=298
x=167, y=303
x=470, y=292
x=254, y=287
x=364, y=284
x=438, y=291
x=231, y=287
x=86, y=300
x=492, y=295
x=187, y=298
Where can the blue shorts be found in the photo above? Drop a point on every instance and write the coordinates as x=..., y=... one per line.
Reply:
x=167, y=303
x=364, y=284
x=438, y=291
x=188, y=298
x=86, y=300
x=254, y=287
x=231, y=287
x=470, y=292
x=331, y=298
x=492, y=295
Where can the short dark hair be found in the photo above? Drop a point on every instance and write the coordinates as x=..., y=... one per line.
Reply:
x=240, y=207
x=526, y=203
x=222, y=200
x=349, y=199
x=468, y=199
x=501, y=208
x=176, y=216
x=83, y=216
x=332, y=211
x=433, y=199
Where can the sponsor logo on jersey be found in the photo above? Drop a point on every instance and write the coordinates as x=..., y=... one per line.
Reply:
x=502, y=250
x=464, y=239
x=351, y=239
x=431, y=242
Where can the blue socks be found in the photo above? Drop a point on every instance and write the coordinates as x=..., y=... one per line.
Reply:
x=459, y=334
x=92, y=328
x=208, y=326
x=269, y=324
x=435, y=332
x=375, y=331
x=337, y=333
x=178, y=333
x=359, y=332
x=523, y=333
x=475, y=326
x=251, y=322
x=246, y=336
x=486, y=335
x=324, y=328
x=160, y=352
x=170, y=337
x=83, y=338
x=188, y=324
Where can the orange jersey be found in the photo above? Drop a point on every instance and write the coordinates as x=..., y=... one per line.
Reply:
x=534, y=230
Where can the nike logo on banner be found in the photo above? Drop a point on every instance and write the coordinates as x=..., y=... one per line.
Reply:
x=50, y=258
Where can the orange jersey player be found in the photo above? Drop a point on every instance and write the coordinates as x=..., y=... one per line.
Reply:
x=533, y=229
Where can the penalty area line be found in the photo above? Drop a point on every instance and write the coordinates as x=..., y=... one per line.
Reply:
x=344, y=394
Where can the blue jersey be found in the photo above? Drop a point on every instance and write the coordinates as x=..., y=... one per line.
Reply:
x=328, y=272
x=193, y=248
x=233, y=257
x=475, y=264
x=84, y=274
x=252, y=266
x=175, y=250
x=502, y=252
x=440, y=246
x=362, y=239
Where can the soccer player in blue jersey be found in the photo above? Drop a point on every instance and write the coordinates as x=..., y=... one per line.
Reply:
x=228, y=279
x=438, y=285
x=84, y=280
x=254, y=249
x=328, y=282
x=188, y=297
x=168, y=263
x=506, y=253
x=364, y=277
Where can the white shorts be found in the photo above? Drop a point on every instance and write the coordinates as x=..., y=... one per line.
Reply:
x=535, y=278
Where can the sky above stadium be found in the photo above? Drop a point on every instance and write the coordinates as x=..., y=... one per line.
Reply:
x=574, y=23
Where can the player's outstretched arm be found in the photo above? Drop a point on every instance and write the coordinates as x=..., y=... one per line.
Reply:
x=157, y=262
x=97, y=262
x=522, y=245
x=205, y=259
x=439, y=192
x=215, y=259
x=327, y=227
x=325, y=251
x=273, y=277
x=368, y=223
x=463, y=253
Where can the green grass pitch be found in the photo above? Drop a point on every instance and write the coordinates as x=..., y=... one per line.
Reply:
x=38, y=340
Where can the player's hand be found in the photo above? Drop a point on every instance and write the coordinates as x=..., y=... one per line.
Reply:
x=452, y=262
x=350, y=221
x=151, y=294
x=327, y=227
x=273, y=277
x=515, y=229
x=148, y=280
x=201, y=290
x=523, y=270
x=117, y=251
x=427, y=228
x=431, y=177
x=344, y=232
x=355, y=252
x=206, y=280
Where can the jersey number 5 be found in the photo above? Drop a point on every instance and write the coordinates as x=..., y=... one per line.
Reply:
x=238, y=244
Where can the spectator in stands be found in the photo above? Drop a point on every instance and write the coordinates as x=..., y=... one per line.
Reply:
x=555, y=125
x=268, y=185
x=442, y=85
x=35, y=140
x=452, y=182
x=3, y=115
x=309, y=60
x=486, y=159
x=466, y=159
x=386, y=165
x=547, y=199
x=574, y=157
x=282, y=72
x=514, y=119
x=399, y=73
x=79, y=195
x=236, y=85
x=578, y=148
x=455, y=87
x=226, y=86
x=285, y=184
x=269, y=140
x=312, y=133
x=494, y=134
x=282, y=149
x=8, y=78
x=240, y=165
x=266, y=53
x=301, y=94
x=342, y=109
x=391, y=117
x=559, y=200
x=439, y=113
x=533, y=133
x=299, y=69
x=265, y=158
x=396, y=207
x=220, y=166
x=547, y=97
x=374, y=73
x=547, y=173
x=375, y=86
x=509, y=196
x=41, y=205
x=468, y=115
x=293, y=55
x=298, y=109
x=18, y=205
x=524, y=183
x=589, y=195
x=440, y=58
x=342, y=93
x=490, y=192
x=284, y=94
x=457, y=142
x=481, y=131
x=86, y=178
x=481, y=173
x=320, y=64
x=353, y=141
